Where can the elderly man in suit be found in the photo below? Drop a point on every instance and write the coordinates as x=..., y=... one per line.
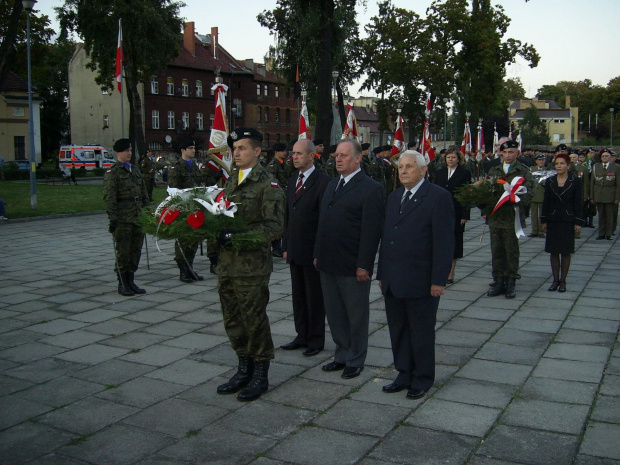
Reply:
x=347, y=240
x=301, y=220
x=414, y=261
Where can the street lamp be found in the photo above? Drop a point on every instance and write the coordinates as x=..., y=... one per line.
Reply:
x=445, y=121
x=580, y=130
x=28, y=5
x=611, y=134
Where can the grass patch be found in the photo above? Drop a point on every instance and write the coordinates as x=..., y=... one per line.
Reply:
x=192, y=432
x=110, y=386
x=79, y=440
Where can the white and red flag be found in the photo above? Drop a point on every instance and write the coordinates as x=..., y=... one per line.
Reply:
x=398, y=146
x=466, y=142
x=495, y=139
x=427, y=148
x=304, y=122
x=519, y=141
x=119, y=59
x=350, y=128
x=219, y=151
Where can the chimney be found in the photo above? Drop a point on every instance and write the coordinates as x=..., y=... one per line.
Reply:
x=214, y=41
x=188, y=38
x=249, y=64
x=567, y=104
x=261, y=69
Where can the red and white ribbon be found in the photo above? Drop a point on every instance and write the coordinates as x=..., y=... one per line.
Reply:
x=511, y=194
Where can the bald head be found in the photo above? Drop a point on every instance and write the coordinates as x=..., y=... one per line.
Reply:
x=303, y=154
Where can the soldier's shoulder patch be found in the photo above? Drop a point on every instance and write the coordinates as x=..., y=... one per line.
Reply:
x=275, y=184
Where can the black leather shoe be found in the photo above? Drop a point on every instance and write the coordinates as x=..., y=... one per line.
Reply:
x=351, y=372
x=554, y=286
x=392, y=387
x=311, y=352
x=562, y=287
x=333, y=366
x=608, y=238
x=415, y=393
x=292, y=346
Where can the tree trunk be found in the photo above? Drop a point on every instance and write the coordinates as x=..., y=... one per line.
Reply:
x=136, y=124
x=341, y=106
x=324, y=117
x=7, y=48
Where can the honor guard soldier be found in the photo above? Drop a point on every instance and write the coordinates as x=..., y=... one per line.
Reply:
x=330, y=163
x=277, y=168
x=184, y=174
x=147, y=166
x=243, y=278
x=124, y=195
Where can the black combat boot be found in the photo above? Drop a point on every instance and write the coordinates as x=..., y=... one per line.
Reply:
x=195, y=276
x=510, y=288
x=241, y=379
x=258, y=384
x=184, y=273
x=498, y=289
x=132, y=284
x=123, y=284
x=213, y=264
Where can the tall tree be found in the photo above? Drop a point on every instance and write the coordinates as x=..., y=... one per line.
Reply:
x=151, y=39
x=533, y=129
x=513, y=89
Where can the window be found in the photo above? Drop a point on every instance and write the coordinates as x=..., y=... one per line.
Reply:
x=558, y=121
x=198, y=88
x=199, y=121
x=277, y=119
x=259, y=114
x=288, y=115
x=171, y=120
x=185, y=119
x=558, y=137
x=105, y=92
x=154, y=85
x=106, y=121
x=156, y=146
x=155, y=119
x=277, y=91
x=185, y=87
x=266, y=90
x=88, y=154
x=170, y=86
x=266, y=114
x=19, y=145
x=238, y=106
x=18, y=111
x=212, y=117
x=257, y=89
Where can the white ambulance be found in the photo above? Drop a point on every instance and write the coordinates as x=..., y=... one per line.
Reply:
x=87, y=157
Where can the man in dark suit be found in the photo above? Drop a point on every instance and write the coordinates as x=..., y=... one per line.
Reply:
x=414, y=261
x=347, y=239
x=301, y=220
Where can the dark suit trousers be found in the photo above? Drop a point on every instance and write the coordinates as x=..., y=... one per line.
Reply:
x=308, y=307
x=347, y=310
x=412, y=332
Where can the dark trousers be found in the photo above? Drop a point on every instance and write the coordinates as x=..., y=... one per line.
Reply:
x=185, y=251
x=128, y=239
x=412, y=332
x=308, y=306
x=504, y=253
x=347, y=310
x=606, y=218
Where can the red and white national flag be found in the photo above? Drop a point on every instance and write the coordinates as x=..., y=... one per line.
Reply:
x=350, y=128
x=427, y=147
x=304, y=122
x=466, y=142
x=519, y=141
x=398, y=145
x=495, y=139
x=119, y=59
x=221, y=158
x=480, y=147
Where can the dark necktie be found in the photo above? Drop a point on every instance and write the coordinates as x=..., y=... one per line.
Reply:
x=404, y=201
x=339, y=186
x=299, y=184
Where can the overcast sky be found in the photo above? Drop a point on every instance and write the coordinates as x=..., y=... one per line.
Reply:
x=576, y=39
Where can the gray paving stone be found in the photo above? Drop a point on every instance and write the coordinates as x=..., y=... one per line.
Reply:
x=477, y=393
x=43, y=370
x=589, y=460
x=478, y=460
x=601, y=302
x=589, y=372
x=30, y=352
x=10, y=385
x=92, y=354
x=611, y=385
x=118, y=444
x=601, y=440
x=485, y=313
x=536, y=325
x=66, y=297
x=607, y=409
x=207, y=394
x=524, y=445
x=454, y=417
x=16, y=410
x=27, y=441
x=558, y=390
x=507, y=353
x=495, y=372
x=60, y=391
x=96, y=316
x=575, y=336
x=521, y=338
x=74, y=339
x=581, y=352
x=453, y=355
x=317, y=395
x=613, y=367
x=591, y=324
x=151, y=316
x=549, y=416
x=425, y=446
x=42, y=316
x=142, y=392
x=17, y=337
x=188, y=372
x=157, y=355
x=192, y=341
x=86, y=416
x=135, y=340
x=116, y=327
x=113, y=372
x=316, y=445
x=173, y=328
x=474, y=325
x=543, y=313
x=460, y=338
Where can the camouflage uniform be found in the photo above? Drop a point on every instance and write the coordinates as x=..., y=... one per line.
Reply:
x=504, y=242
x=182, y=177
x=243, y=282
x=388, y=174
x=148, y=174
x=207, y=176
x=373, y=169
x=330, y=168
x=278, y=169
x=320, y=160
x=124, y=195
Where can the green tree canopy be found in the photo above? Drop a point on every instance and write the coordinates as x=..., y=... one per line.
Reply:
x=533, y=130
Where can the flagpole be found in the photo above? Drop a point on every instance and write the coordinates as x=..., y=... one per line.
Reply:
x=120, y=44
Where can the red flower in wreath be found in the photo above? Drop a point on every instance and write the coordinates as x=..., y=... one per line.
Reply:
x=196, y=220
x=168, y=216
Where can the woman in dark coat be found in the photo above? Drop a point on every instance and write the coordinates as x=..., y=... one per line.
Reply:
x=561, y=217
x=450, y=177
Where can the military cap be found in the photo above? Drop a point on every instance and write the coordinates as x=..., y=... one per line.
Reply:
x=121, y=145
x=377, y=149
x=365, y=146
x=186, y=142
x=386, y=147
x=561, y=148
x=317, y=141
x=279, y=147
x=410, y=145
x=333, y=148
x=540, y=157
x=244, y=133
x=509, y=144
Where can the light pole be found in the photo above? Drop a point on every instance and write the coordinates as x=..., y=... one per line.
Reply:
x=611, y=133
x=580, y=130
x=445, y=121
x=28, y=5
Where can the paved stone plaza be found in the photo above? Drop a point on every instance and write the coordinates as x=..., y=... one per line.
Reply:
x=90, y=377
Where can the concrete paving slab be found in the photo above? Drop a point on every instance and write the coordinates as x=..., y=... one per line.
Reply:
x=574, y=336
x=157, y=355
x=43, y=370
x=495, y=372
x=135, y=340
x=460, y=338
x=548, y=416
x=580, y=352
x=60, y=391
x=17, y=337
x=92, y=354
x=589, y=372
x=522, y=338
x=317, y=395
x=30, y=352
x=74, y=339
x=558, y=390
x=477, y=393
x=601, y=440
x=141, y=392
x=507, y=353
x=16, y=410
x=113, y=372
x=611, y=385
x=188, y=372
x=24, y=443
x=607, y=409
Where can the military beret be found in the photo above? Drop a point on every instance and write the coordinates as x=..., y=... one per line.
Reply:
x=121, y=145
x=333, y=148
x=561, y=147
x=279, y=147
x=377, y=150
x=540, y=157
x=365, y=146
x=509, y=144
x=244, y=133
x=410, y=145
x=386, y=147
x=317, y=141
x=186, y=142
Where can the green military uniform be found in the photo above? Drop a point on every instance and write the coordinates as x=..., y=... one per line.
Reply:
x=124, y=195
x=330, y=168
x=388, y=174
x=147, y=166
x=504, y=241
x=278, y=169
x=320, y=161
x=605, y=191
x=537, y=201
x=432, y=168
x=181, y=176
x=207, y=176
x=244, y=279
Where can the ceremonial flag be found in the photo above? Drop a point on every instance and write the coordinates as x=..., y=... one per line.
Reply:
x=466, y=142
x=495, y=139
x=399, y=137
x=427, y=149
x=519, y=141
x=219, y=152
x=297, y=90
x=304, y=122
x=510, y=134
x=119, y=59
x=480, y=147
x=350, y=128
